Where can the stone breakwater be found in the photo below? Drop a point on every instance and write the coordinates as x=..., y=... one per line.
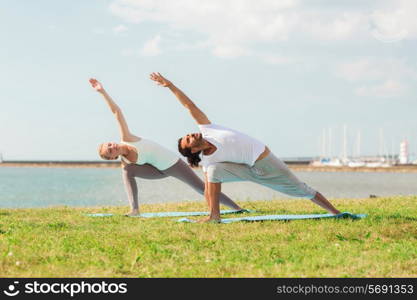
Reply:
x=393, y=169
x=295, y=167
x=61, y=164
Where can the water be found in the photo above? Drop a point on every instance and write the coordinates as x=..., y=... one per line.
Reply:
x=44, y=187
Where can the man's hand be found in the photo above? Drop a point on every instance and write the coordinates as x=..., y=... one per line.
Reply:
x=96, y=85
x=196, y=113
x=160, y=80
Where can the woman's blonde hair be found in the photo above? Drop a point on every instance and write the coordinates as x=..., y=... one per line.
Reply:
x=100, y=152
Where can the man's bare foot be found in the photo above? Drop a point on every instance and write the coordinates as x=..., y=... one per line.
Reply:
x=133, y=213
x=209, y=220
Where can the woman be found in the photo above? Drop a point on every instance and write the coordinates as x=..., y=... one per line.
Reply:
x=229, y=155
x=146, y=159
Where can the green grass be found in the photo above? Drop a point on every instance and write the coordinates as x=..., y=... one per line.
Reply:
x=63, y=242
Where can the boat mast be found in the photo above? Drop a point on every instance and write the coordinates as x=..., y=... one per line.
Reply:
x=344, y=144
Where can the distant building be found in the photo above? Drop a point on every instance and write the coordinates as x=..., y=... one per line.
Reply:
x=404, y=156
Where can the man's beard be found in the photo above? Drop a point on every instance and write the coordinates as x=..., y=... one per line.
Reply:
x=198, y=142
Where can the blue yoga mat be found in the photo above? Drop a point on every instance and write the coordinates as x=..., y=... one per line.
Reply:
x=175, y=214
x=284, y=218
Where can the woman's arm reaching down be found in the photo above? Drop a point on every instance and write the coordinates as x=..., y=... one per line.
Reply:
x=195, y=112
x=124, y=129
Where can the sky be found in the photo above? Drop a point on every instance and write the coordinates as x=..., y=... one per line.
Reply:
x=285, y=72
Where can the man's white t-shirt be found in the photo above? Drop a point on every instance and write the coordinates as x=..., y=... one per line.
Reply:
x=232, y=146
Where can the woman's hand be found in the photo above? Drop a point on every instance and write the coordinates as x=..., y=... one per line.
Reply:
x=160, y=80
x=96, y=85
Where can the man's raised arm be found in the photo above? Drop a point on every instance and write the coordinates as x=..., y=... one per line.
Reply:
x=195, y=112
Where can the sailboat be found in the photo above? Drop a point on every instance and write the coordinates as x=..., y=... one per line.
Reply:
x=326, y=159
x=357, y=163
x=383, y=161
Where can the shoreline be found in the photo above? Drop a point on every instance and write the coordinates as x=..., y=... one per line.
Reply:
x=293, y=166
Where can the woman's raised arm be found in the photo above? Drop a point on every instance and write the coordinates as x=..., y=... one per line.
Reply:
x=195, y=112
x=124, y=129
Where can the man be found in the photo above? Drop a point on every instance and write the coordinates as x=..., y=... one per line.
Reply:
x=228, y=155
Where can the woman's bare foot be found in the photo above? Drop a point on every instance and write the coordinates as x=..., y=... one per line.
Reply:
x=133, y=213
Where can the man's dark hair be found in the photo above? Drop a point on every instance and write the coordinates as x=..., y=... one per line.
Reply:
x=192, y=158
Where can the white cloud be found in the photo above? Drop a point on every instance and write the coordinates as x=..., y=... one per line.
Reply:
x=225, y=26
x=151, y=47
x=388, y=27
x=342, y=26
x=363, y=69
x=395, y=22
x=375, y=69
x=231, y=28
x=387, y=89
x=120, y=29
x=378, y=77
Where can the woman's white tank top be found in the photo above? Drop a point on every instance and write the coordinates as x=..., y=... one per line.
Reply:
x=152, y=153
